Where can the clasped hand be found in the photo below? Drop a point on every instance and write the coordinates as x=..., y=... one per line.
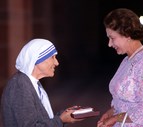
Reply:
x=106, y=121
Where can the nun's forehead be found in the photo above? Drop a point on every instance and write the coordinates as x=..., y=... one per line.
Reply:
x=35, y=51
x=46, y=53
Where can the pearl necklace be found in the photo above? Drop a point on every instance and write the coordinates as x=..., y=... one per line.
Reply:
x=138, y=50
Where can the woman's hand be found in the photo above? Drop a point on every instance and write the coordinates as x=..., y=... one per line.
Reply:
x=100, y=123
x=109, y=122
x=105, y=117
x=66, y=115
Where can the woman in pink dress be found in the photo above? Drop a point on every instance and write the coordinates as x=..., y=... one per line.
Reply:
x=125, y=34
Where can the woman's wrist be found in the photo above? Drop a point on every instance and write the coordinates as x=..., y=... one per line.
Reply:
x=110, y=112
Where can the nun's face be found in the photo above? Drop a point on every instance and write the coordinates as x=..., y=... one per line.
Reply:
x=47, y=67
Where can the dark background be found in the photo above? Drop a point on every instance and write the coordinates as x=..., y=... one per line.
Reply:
x=86, y=62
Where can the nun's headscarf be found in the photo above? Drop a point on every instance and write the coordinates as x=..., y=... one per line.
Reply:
x=34, y=52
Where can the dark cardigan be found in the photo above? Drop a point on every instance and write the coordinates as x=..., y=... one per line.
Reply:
x=21, y=107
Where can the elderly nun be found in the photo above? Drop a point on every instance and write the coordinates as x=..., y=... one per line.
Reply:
x=24, y=102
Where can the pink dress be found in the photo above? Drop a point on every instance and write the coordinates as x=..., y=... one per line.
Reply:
x=126, y=88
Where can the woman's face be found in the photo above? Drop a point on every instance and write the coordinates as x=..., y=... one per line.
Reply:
x=47, y=67
x=117, y=41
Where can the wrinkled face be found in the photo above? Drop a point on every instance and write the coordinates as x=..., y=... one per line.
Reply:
x=47, y=67
x=117, y=41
